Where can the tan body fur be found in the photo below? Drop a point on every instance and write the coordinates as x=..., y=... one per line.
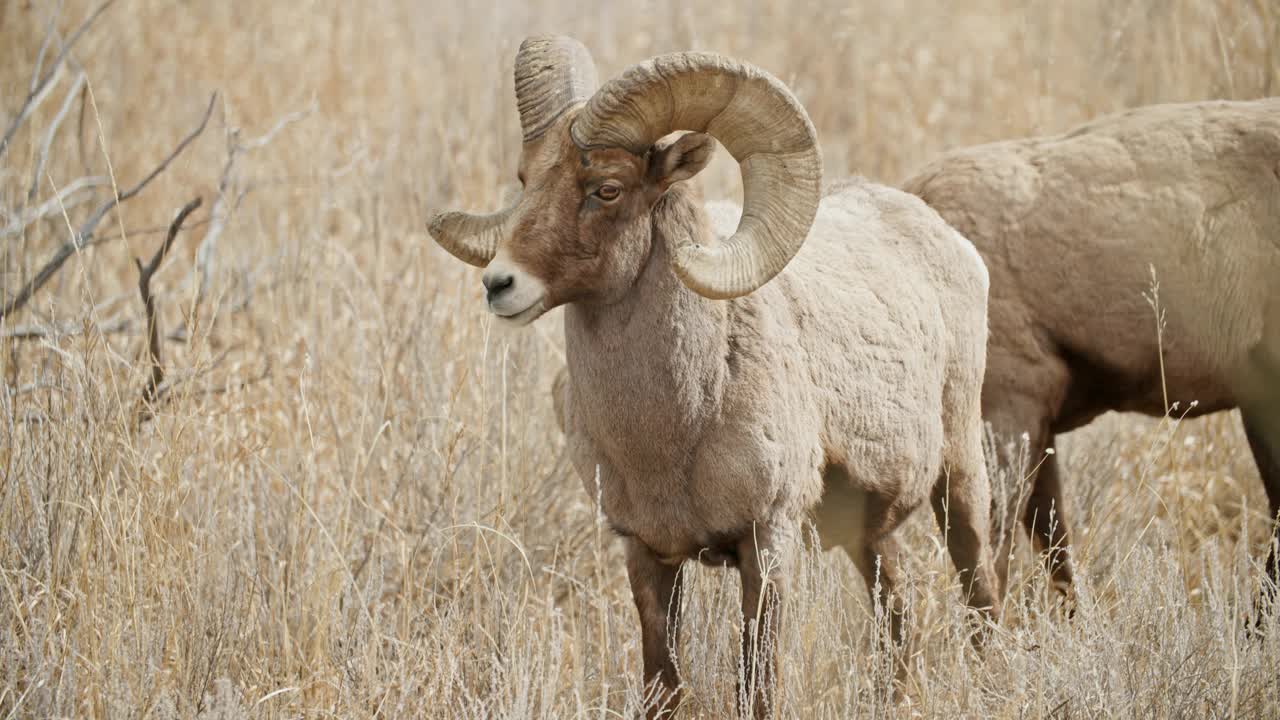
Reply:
x=710, y=425
x=705, y=417
x=1073, y=227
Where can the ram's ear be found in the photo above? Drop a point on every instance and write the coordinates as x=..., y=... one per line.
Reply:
x=681, y=159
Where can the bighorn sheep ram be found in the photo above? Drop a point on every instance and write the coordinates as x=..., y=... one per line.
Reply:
x=1073, y=227
x=709, y=389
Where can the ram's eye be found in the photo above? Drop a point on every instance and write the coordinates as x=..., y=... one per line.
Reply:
x=608, y=192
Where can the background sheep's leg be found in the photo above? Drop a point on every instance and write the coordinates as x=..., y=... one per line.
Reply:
x=761, y=565
x=878, y=563
x=961, y=504
x=1032, y=489
x=1023, y=392
x=1044, y=520
x=1264, y=440
x=657, y=589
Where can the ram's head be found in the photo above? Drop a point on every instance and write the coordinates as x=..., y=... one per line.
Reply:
x=595, y=163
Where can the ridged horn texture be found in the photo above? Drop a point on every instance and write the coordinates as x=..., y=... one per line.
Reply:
x=552, y=74
x=758, y=121
x=473, y=239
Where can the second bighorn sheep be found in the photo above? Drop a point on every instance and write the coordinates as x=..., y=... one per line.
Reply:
x=714, y=381
x=1072, y=228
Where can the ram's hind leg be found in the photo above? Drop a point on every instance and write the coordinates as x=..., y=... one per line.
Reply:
x=962, y=506
x=877, y=561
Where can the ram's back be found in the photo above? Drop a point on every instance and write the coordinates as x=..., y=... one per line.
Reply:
x=1078, y=229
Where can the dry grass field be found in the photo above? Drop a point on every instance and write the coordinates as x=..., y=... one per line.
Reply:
x=352, y=500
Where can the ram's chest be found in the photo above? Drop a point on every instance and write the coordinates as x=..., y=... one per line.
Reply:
x=676, y=417
x=644, y=490
x=677, y=514
x=699, y=494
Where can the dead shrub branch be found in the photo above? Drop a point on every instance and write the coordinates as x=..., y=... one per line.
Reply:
x=145, y=273
x=219, y=213
x=40, y=88
x=83, y=237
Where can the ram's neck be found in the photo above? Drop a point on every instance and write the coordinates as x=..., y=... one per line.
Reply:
x=648, y=372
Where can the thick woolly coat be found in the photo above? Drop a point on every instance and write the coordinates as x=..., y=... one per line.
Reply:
x=1077, y=228
x=699, y=417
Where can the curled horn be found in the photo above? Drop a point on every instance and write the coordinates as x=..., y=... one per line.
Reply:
x=552, y=74
x=758, y=121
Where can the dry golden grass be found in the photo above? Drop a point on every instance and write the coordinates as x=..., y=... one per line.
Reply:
x=354, y=501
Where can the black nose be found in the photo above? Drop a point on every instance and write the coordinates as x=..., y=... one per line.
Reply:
x=497, y=284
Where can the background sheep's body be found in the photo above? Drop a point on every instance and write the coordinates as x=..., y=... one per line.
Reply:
x=865, y=353
x=1074, y=229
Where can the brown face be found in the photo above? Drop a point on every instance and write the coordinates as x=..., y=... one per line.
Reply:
x=581, y=231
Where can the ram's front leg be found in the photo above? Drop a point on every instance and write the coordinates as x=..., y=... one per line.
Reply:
x=656, y=588
x=761, y=562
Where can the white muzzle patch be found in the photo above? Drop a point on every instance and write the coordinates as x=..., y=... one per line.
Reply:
x=513, y=294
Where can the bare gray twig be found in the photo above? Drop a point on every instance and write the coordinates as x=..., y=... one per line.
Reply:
x=42, y=332
x=50, y=30
x=83, y=237
x=41, y=88
x=121, y=325
x=54, y=205
x=217, y=214
x=43, y=155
